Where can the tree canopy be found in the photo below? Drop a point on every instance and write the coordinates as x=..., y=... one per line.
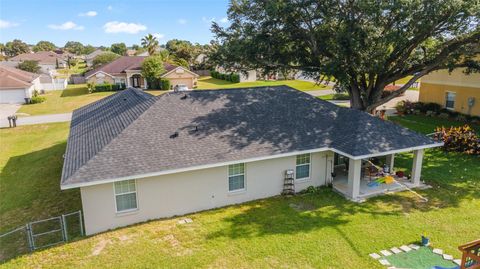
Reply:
x=44, y=46
x=104, y=58
x=74, y=47
x=119, y=48
x=363, y=45
x=152, y=67
x=15, y=47
x=88, y=49
x=29, y=66
x=181, y=49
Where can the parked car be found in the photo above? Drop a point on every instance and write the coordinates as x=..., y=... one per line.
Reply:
x=180, y=88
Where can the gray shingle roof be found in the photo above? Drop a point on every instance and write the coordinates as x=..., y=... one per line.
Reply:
x=113, y=139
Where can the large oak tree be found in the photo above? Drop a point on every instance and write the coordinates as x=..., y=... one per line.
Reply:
x=363, y=45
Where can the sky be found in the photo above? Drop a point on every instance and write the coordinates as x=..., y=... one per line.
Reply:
x=105, y=22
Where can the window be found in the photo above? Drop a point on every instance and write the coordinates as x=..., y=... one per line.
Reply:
x=236, y=177
x=450, y=100
x=125, y=195
x=302, y=170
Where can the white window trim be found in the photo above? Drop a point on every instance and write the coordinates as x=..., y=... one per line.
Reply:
x=446, y=100
x=309, y=168
x=115, y=198
x=244, y=189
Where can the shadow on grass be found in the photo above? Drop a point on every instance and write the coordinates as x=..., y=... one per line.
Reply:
x=328, y=209
x=31, y=188
x=74, y=92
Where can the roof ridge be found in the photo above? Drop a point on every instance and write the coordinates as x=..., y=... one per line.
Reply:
x=109, y=143
x=152, y=101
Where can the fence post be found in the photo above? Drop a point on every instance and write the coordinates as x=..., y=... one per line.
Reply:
x=81, y=222
x=31, y=244
x=64, y=229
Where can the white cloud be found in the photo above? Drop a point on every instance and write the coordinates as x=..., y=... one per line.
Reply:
x=158, y=36
x=69, y=25
x=224, y=20
x=88, y=14
x=208, y=20
x=123, y=27
x=7, y=24
x=182, y=21
x=109, y=7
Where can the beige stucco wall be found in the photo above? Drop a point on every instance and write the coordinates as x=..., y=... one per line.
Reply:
x=181, y=77
x=455, y=78
x=95, y=79
x=186, y=192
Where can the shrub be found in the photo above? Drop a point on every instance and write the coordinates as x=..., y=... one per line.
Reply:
x=103, y=88
x=459, y=139
x=118, y=87
x=37, y=99
x=90, y=87
x=235, y=78
x=165, y=84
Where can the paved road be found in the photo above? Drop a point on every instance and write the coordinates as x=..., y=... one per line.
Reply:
x=321, y=92
x=40, y=119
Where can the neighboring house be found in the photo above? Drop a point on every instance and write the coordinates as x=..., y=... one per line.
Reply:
x=47, y=60
x=50, y=83
x=16, y=85
x=456, y=91
x=137, y=157
x=145, y=53
x=248, y=76
x=131, y=52
x=89, y=57
x=128, y=70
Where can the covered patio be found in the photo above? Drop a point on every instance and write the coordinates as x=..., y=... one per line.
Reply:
x=357, y=178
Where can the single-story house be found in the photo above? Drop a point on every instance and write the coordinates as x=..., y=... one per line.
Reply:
x=454, y=90
x=245, y=76
x=134, y=163
x=16, y=85
x=128, y=70
x=48, y=61
x=89, y=57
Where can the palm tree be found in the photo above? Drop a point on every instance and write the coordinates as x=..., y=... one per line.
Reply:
x=150, y=43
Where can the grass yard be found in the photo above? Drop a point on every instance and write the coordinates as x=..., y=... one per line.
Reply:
x=213, y=83
x=31, y=164
x=427, y=125
x=75, y=96
x=321, y=230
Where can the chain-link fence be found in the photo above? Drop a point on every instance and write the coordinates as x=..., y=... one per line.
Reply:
x=41, y=234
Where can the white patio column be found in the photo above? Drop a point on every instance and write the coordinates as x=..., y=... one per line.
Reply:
x=417, y=166
x=390, y=161
x=145, y=86
x=127, y=83
x=354, y=174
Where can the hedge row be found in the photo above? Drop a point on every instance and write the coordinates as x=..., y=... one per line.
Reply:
x=108, y=87
x=228, y=77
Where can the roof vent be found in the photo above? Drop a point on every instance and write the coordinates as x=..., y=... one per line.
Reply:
x=184, y=97
x=174, y=135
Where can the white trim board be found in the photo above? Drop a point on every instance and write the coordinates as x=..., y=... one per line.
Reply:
x=213, y=165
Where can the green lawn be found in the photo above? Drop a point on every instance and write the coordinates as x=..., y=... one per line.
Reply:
x=334, y=96
x=213, y=83
x=427, y=125
x=305, y=231
x=75, y=96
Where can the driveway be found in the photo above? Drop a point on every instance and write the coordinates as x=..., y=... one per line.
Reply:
x=7, y=110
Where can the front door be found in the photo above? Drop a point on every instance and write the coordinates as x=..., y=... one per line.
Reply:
x=136, y=81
